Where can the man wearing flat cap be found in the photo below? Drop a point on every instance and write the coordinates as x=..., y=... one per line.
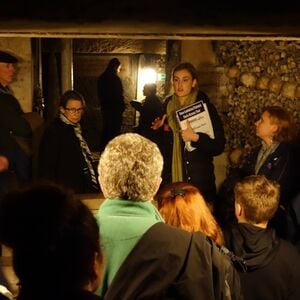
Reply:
x=13, y=126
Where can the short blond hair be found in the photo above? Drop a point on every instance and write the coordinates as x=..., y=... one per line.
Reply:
x=130, y=168
x=259, y=198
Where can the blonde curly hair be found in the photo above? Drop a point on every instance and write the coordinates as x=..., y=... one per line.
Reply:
x=130, y=168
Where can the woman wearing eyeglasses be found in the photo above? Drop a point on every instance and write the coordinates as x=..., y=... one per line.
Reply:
x=64, y=155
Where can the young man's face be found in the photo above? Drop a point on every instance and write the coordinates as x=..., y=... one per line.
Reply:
x=7, y=73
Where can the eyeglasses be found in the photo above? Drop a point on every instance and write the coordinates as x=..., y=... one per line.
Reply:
x=75, y=110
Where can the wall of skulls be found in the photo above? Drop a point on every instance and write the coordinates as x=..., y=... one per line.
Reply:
x=257, y=74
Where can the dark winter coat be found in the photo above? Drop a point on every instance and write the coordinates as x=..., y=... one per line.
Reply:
x=278, y=167
x=110, y=91
x=273, y=265
x=60, y=157
x=198, y=167
x=79, y=295
x=110, y=94
x=12, y=122
x=150, y=109
x=170, y=263
x=14, y=129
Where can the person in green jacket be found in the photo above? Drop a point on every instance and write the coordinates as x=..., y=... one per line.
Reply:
x=129, y=174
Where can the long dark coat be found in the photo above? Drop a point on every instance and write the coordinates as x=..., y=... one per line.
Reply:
x=60, y=157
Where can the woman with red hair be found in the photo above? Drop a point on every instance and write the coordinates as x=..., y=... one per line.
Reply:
x=182, y=205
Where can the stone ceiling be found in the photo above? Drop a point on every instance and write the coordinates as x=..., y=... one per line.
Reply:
x=189, y=19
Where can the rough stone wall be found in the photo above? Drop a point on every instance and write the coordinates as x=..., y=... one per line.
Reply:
x=118, y=46
x=258, y=74
x=23, y=85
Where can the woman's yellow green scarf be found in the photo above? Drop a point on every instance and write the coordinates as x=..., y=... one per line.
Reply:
x=172, y=106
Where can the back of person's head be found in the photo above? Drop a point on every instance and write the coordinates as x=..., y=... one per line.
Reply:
x=70, y=95
x=259, y=198
x=281, y=118
x=186, y=66
x=113, y=64
x=149, y=89
x=182, y=205
x=130, y=168
x=54, y=239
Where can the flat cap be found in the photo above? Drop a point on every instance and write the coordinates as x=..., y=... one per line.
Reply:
x=7, y=58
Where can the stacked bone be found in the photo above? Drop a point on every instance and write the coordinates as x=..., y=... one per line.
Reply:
x=258, y=74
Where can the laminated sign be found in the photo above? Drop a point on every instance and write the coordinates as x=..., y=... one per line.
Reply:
x=198, y=116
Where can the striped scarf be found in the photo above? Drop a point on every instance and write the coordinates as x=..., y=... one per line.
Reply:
x=85, y=151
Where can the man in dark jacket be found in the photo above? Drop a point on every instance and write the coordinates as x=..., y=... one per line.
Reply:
x=273, y=265
x=13, y=126
x=150, y=108
x=110, y=94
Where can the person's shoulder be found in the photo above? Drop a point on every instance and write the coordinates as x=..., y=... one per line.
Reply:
x=57, y=126
x=8, y=100
x=167, y=231
x=201, y=96
x=167, y=100
x=55, y=123
x=288, y=259
x=284, y=148
x=289, y=250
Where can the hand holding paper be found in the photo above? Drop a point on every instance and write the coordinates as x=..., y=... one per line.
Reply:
x=188, y=134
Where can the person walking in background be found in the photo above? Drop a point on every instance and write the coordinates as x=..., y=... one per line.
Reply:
x=15, y=131
x=110, y=95
x=56, y=251
x=64, y=156
x=150, y=108
x=273, y=265
x=182, y=163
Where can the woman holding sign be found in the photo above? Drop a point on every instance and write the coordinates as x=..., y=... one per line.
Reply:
x=188, y=153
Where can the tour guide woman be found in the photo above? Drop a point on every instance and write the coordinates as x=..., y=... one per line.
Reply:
x=184, y=163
